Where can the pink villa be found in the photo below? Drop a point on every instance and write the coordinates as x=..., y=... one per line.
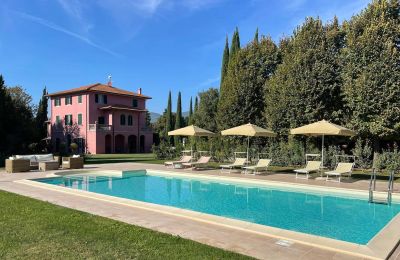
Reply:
x=100, y=118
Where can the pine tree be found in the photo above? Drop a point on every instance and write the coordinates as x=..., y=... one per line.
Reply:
x=225, y=61
x=190, y=121
x=255, y=41
x=41, y=117
x=178, y=117
x=168, y=120
x=372, y=71
x=235, y=45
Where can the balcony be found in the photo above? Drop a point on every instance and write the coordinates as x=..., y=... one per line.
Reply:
x=100, y=128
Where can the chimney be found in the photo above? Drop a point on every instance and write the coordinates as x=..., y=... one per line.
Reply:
x=109, y=81
x=139, y=91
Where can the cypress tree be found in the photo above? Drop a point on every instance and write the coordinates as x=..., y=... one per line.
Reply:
x=225, y=61
x=41, y=116
x=168, y=120
x=178, y=119
x=235, y=46
x=196, y=105
x=255, y=41
x=190, y=112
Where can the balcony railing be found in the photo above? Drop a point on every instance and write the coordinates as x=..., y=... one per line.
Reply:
x=98, y=127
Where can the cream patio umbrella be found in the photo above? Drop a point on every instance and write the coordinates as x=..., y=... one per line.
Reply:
x=249, y=130
x=191, y=130
x=322, y=128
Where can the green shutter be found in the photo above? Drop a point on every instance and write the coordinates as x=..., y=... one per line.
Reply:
x=79, y=119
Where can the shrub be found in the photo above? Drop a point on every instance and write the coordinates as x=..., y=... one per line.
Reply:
x=363, y=152
x=388, y=161
x=74, y=147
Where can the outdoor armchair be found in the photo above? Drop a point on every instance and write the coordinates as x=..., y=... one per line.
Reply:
x=72, y=162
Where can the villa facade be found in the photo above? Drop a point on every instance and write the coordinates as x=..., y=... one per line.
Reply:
x=101, y=119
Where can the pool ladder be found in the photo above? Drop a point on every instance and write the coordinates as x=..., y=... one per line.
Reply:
x=372, y=189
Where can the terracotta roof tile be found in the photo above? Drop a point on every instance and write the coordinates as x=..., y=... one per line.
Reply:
x=98, y=87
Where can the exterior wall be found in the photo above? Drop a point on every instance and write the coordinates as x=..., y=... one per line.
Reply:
x=94, y=136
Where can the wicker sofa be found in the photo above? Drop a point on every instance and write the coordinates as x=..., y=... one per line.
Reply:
x=24, y=163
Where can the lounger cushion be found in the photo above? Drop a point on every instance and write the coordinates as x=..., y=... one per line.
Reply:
x=31, y=158
x=44, y=157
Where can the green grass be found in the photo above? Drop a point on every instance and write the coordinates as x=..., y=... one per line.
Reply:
x=32, y=229
x=119, y=158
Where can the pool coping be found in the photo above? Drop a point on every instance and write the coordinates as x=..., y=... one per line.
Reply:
x=379, y=247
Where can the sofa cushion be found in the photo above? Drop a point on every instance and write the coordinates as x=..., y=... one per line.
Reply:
x=76, y=156
x=44, y=157
x=32, y=158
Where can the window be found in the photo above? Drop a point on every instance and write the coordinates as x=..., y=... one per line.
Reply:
x=80, y=99
x=130, y=121
x=79, y=119
x=134, y=103
x=68, y=100
x=122, y=120
x=58, y=120
x=101, y=120
x=57, y=102
x=68, y=119
x=101, y=99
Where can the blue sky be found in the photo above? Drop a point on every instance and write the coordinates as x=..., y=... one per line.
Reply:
x=158, y=45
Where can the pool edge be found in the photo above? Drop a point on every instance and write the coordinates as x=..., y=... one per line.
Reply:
x=375, y=249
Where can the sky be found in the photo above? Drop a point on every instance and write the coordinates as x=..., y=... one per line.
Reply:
x=156, y=45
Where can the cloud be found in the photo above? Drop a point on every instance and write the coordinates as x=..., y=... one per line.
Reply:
x=58, y=28
x=209, y=81
x=74, y=8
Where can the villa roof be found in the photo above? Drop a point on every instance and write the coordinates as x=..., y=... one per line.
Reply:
x=98, y=87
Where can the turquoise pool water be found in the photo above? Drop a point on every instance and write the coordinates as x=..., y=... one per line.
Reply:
x=347, y=219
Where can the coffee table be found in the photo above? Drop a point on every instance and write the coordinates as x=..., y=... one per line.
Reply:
x=46, y=166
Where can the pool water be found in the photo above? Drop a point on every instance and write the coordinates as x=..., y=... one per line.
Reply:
x=347, y=219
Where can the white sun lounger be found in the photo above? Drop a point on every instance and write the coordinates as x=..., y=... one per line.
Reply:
x=312, y=166
x=262, y=165
x=184, y=159
x=238, y=163
x=200, y=162
x=341, y=169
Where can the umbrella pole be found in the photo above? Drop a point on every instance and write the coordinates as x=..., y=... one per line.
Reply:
x=322, y=151
x=248, y=145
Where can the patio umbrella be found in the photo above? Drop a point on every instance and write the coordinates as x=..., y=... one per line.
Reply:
x=249, y=130
x=322, y=128
x=191, y=130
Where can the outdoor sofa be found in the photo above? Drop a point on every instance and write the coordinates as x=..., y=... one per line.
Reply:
x=24, y=163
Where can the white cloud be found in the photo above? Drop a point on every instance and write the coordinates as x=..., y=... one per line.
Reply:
x=58, y=28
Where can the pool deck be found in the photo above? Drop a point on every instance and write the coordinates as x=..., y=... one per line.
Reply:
x=241, y=241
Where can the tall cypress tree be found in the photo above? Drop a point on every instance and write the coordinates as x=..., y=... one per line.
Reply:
x=235, y=46
x=225, y=61
x=41, y=117
x=190, y=111
x=255, y=41
x=196, y=105
x=168, y=119
x=178, y=118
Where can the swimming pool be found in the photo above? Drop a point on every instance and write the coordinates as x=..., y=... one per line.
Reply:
x=342, y=218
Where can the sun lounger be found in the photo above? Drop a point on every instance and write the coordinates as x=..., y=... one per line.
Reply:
x=341, y=169
x=200, y=162
x=312, y=166
x=238, y=163
x=184, y=159
x=262, y=165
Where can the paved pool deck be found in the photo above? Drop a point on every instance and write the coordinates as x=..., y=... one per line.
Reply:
x=252, y=244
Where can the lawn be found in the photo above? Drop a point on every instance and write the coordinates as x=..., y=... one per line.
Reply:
x=32, y=229
x=116, y=158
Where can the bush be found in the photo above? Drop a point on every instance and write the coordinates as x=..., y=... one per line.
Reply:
x=33, y=147
x=388, y=161
x=74, y=147
x=165, y=151
x=363, y=152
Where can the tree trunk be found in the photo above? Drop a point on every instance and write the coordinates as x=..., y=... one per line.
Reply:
x=376, y=145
